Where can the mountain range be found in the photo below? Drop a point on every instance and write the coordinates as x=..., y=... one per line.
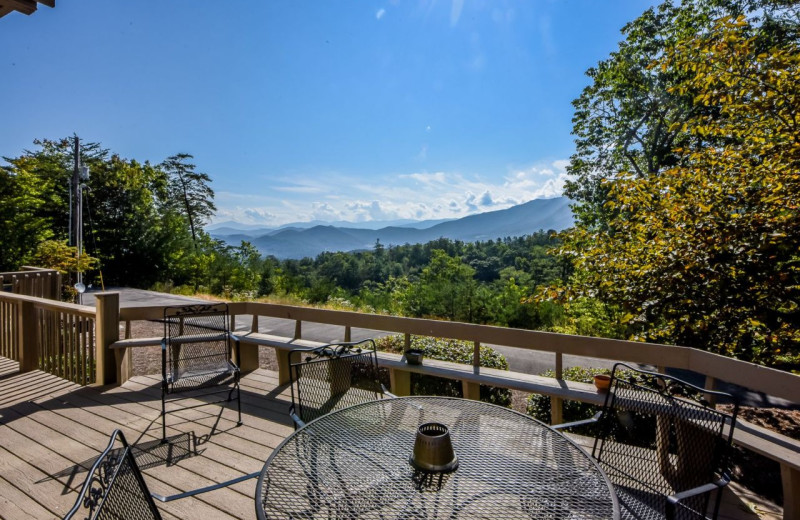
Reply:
x=301, y=240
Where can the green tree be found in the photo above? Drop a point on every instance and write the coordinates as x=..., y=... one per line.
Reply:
x=190, y=191
x=446, y=288
x=705, y=254
x=34, y=197
x=630, y=118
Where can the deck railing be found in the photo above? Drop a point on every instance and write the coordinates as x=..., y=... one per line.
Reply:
x=33, y=281
x=9, y=330
x=58, y=338
x=75, y=342
x=66, y=341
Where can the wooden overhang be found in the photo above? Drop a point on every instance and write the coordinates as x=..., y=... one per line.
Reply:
x=23, y=6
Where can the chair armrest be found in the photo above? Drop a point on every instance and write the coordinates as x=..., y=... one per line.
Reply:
x=593, y=420
x=298, y=422
x=674, y=500
x=234, y=337
x=387, y=392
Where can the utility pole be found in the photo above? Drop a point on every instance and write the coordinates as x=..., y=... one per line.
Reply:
x=74, y=189
x=79, y=174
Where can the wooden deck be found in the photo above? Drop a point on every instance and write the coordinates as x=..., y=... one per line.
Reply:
x=52, y=430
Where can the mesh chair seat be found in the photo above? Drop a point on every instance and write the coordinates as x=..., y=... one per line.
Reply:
x=197, y=378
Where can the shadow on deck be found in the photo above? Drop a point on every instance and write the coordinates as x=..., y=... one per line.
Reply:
x=51, y=431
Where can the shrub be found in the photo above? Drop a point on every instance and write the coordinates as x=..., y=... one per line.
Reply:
x=453, y=350
x=539, y=405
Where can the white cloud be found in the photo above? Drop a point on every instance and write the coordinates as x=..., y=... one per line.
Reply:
x=427, y=178
x=416, y=195
x=324, y=211
x=257, y=215
x=455, y=12
x=380, y=14
x=369, y=210
x=298, y=189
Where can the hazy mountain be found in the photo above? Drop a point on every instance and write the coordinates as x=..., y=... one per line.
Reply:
x=231, y=227
x=298, y=242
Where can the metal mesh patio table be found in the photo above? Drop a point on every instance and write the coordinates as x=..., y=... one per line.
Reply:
x=354, y=463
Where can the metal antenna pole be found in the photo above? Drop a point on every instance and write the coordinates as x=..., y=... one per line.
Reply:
x=73, y=194
x=76, y=182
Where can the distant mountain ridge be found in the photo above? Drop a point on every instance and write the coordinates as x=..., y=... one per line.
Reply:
x=297, y=241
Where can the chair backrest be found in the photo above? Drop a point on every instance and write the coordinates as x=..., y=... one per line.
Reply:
x=332, y=377
x=660, y=435
x=196, y=344
x=115, y=488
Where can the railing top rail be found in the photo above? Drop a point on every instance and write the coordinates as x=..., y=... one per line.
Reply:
x=28, y=271
x=44, y=303
x=755, y=377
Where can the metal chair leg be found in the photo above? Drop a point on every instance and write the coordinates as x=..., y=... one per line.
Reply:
x=163, y=418
x=239, y=403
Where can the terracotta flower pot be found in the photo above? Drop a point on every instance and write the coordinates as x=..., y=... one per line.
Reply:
x=602, y=382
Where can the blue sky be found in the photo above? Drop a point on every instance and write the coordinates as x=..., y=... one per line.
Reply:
x=332, y=110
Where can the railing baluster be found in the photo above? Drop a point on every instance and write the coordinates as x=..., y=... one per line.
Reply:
x=88, y=342
x=5, y=327
x=80, y=353
x=73, y=349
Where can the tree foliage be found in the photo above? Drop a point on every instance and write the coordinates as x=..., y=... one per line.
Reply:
x=131, y=223
x=189, y=192
x=706, y=252
x=630, y=117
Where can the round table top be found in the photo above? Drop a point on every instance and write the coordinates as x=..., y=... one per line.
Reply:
x=354, y=463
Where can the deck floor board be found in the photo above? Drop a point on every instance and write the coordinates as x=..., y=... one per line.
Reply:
x=51, y=431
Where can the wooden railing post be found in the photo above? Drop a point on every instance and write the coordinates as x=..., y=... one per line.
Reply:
x=473, y=390
x=283, y=366
x=247, y=358
x=791, y=492
x=556, y=403
x=400, y=381
x=711, y=383
x=111, y=368
x=28, y=355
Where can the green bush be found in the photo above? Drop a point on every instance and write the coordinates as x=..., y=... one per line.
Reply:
x=539, y=405
x=453, y=350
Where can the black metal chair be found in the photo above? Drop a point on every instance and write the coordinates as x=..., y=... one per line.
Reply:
x=332, y=377
x=115, y=488
x=196, y=354
x=662, y=445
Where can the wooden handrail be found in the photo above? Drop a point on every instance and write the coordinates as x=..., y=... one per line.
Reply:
x=51, y=305
x=755, y=377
